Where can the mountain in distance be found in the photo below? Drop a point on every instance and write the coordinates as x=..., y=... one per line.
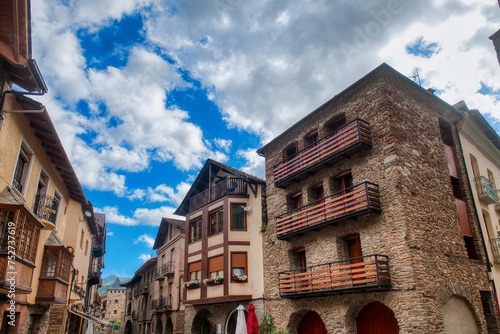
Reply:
x=108, y=281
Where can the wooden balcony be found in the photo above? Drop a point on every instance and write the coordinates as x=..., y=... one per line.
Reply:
x=18, y=272
x=485, y=190
x=98, y=246
x=355, y=201
x=45, y=208
x=365, y=273
x=343, y=142
x=495, y=248
x=51, y=290
x=53, y=282
x=233, y=186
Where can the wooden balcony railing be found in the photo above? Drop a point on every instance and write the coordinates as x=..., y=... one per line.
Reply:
x=354, y=201
x=363, y=273
x=485, y=190
x=221, y=189
x=45, y=208
x=495, y=247
x=344, y=141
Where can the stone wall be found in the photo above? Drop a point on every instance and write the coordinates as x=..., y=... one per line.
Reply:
x=418, y=227
x=115, y=302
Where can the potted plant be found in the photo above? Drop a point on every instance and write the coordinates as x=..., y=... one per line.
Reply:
x=193, y=284
x=239, y=278
x=213, y=280
x=167, y=307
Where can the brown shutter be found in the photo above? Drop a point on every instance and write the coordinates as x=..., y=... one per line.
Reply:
x=450, y=159
x=216, y=263
x=464, y=217
x=239, y=260
x=195, y=266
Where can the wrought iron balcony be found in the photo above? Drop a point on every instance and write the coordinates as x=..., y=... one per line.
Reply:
x=345, y=141
x=355, y=201
x=45, y=208
x=98, y=246
x=95, y=273
x=143, y=289
x=485, y=190
x=167, y=269
x=228, y=186
x=162, y=304
x=495, y=247
x=358, y=274
x=497, y=204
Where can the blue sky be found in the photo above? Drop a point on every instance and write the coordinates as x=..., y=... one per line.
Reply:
x=142, y=92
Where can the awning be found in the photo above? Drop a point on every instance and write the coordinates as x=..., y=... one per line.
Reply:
x=91, y=318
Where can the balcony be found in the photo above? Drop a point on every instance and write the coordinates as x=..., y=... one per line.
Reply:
x=98, y=247
x=143, y=289
x=161, y=305
x=233, y=186
x=345, y=141
x=497, y=204
x=485, y=190
x=167, y=269
x=53, y=281
x=355, y=201
x=45, y=208
x=94, y=274
x=360, y=274
x=495, y=247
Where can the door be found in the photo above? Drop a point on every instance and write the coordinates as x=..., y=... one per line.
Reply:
x=376, y=318
x=311, y=323
x=355, y=255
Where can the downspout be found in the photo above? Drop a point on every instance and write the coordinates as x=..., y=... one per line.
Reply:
x=179, y=289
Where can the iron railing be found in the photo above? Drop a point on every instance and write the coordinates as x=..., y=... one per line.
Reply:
x=361, y=273
x=221, y=189
x=495, y=248
x=485, y=190
x=45, y=208
x=354, y=201
x=340, y=142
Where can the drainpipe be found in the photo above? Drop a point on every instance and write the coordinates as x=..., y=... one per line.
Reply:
x=179, y=289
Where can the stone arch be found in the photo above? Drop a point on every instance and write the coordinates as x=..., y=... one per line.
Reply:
x=169, y=327
x=297, y=319
x=293, y=323
x=128, y=327
x=311, y=323
x=376, y=318
x=202, y=323
x=357, y=306
x=459, y=316
x=158, y=327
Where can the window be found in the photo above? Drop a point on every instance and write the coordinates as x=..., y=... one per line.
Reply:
x=344, y=181
x=238, y=217
x=195, y=230
x=296, y=201
x=239, y=263
x=446, y=133
x=22, y=168
x=336, y=123
x=86, y=247
x=216, y=266
x=290, y=151
x=318, y=193
x=56, y=203
x=194, y=270
x=115, y=311
x=216, y=221
x=57, y=263
x=116, y=301
x=312, y=138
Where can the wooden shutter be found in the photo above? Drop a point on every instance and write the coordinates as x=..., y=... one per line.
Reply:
x=216, y=263
x=239, y=260
x=195, y=266
x=464, y=217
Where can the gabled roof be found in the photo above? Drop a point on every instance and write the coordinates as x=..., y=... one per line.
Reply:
x=116, y=285
x=54, y=240
x=385, y=72
x=162, y=230
x=202, y=182
x=146, y=266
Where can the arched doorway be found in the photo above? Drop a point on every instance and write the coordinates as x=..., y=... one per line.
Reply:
x=376, y=318
x=201, y=323
x=128, y=328
x=311, y=323
x=458, y=317
x=169, y=327
x=158, y=327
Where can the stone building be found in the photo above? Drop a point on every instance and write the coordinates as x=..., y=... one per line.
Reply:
x=496, y=43
x=371, y=217
x=115, y=302
x=223, y=248
x=167, y=306
x=481, y=148
x=138, y=314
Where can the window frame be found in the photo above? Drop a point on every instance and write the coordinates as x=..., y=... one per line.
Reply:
x=198, y=221
x=243, y=205
x=27, y=151
x=219, y=270
x=219, y=212
x=197, y=272
x=233, y=266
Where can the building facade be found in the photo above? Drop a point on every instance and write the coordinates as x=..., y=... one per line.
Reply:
x=138, y=312
x=223, y=252
x=167, y=306
x=371, y=217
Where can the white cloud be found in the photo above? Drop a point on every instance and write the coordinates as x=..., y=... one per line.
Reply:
x=255, y=164
x=140, y=216
x=161, y=193
x=148, y=240
x=109, y=234
x=144, y=257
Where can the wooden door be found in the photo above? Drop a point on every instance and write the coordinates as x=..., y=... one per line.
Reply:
x=376, y=318
x=355, y=255
x=311, y=323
